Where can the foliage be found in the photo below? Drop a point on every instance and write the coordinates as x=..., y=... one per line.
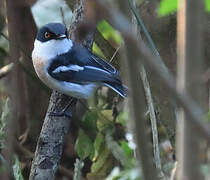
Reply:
x=109, y=32
x=170, y=6
x=97, y=141
x=17, y=169
x=167, y=7
x=3, y=123
x=84, y=145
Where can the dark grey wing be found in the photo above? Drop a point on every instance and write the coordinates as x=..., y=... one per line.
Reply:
x=81, y=66
x=85, y=74
x=81, y=56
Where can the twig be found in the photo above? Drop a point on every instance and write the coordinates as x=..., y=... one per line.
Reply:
x=116, y=150
x=5, y=70
x=138, y=106
x=78, y=165
x=107, y=49
x=116, y=51
x=62, y=16
x=148, y=94
x=153, y=121
x=148, y=37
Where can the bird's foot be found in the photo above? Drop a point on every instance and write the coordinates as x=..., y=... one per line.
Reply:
x=61, y=113
x=64, y=112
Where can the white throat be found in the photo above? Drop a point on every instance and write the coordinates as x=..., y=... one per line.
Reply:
x=50, y=49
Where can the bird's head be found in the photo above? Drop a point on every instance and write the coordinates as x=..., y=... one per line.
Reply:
x=51, y=40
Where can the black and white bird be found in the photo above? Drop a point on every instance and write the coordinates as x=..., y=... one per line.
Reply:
x=70, y=68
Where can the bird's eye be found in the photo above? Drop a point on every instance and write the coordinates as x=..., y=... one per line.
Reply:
x=47, y=35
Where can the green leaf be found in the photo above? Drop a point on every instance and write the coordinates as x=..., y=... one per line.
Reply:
x=104, y=155
x=207, y=5
x=98, y=51
x=89, y=120
x=126, y=149
x=97, y=145
x=17, y=170
x=83, y=145
x=122, y=118
x=105, y=121
x=109, y=32
x=167, y=7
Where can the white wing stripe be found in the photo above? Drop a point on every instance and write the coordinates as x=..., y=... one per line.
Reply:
x=68, y=68
x=98, y=69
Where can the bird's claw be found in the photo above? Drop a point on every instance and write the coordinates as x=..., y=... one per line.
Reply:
x=61, y=113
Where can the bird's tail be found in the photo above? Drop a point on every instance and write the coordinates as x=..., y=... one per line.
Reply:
x=118, y=88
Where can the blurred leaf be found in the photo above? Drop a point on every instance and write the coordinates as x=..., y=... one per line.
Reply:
x=97, y=51
x=167, y=7
x=105, y=120
x=103, y=172
x=109, y=32
x=207, y=5
x=17, y=170
x=97, y=144
x=122, y=118
x=101, y=161
x=89, y=121
x=83, y=145
x=102, y=166
x=126, y=149
x=117, y=151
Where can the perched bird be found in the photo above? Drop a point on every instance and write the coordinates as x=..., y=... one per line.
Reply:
x=70, y=68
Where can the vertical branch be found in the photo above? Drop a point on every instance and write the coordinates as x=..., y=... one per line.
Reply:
x=153, y=120
x=20, y=99
x=148, y=96
x=138, y=107
x=51, y=140
x=190, y=67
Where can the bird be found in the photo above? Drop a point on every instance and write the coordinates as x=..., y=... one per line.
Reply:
x=70, y=68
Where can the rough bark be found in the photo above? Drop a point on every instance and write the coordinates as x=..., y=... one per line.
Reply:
x=50, y=143
x=190, y=67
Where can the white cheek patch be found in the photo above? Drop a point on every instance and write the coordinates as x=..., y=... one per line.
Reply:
x=68, y=68
x=49, y=49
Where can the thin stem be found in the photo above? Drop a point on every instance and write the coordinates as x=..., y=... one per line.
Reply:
x=148, y=37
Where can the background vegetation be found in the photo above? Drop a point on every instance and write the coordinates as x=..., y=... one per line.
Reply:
x=161, y=131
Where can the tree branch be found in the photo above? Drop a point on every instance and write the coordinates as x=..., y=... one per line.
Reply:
x=138, y=106
x=50, y=143
x=190, y=67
